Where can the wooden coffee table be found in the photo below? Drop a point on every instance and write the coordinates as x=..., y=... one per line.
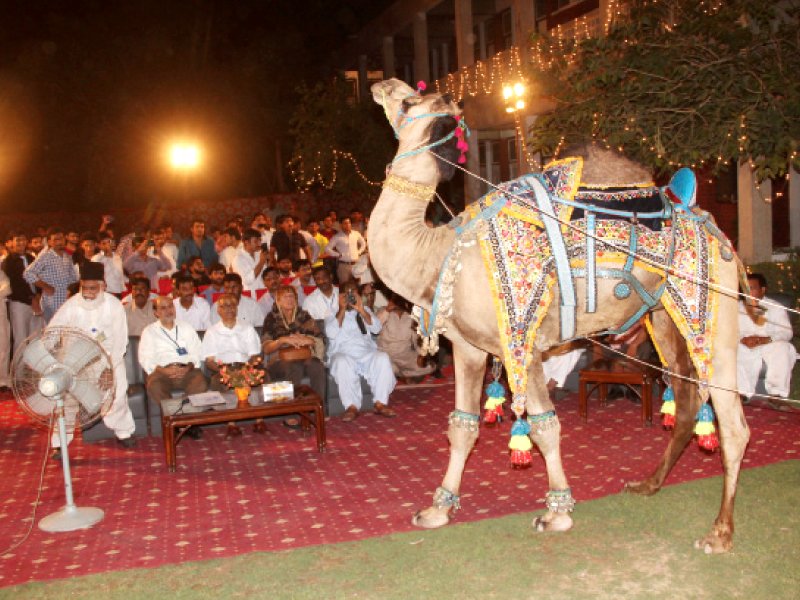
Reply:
x=602, y=373
x=305, y=403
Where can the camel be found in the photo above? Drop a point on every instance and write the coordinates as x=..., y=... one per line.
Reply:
x=409, y=256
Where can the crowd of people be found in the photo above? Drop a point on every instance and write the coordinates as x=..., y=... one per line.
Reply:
x=290, y=297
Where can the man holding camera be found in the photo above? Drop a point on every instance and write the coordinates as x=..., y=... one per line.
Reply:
x=353, y=354
x=141, y=261
x=250, y=260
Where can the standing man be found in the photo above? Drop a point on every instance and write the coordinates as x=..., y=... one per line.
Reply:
x=354, y=354
x=250, y=260
x=149, y=265
x=197, y=244
x=112, y=264
x=189, y=307
x=346, y=246
x=5, y=333
x=169, y=353
x=101, y=316
x=52, y=273
x=19, y=301
x=232, y=242
x=764, y=340
x=286, y=243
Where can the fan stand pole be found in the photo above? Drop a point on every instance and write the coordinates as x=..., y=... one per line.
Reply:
x=70, y=517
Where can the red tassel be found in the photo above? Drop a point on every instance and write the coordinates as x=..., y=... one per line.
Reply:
x=708, y=442
x=668, y=421
x=521, y=459
x=493, y=415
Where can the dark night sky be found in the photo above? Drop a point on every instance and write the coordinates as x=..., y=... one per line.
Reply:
x=92, y=91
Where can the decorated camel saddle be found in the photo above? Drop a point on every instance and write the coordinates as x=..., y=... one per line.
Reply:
x=530, y=239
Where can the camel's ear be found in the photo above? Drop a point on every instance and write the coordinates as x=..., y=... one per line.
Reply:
x=391, y=90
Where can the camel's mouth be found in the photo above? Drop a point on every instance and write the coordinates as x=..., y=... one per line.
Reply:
x=442, y=127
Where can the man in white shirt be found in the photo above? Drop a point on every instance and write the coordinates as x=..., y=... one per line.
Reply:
x=169, y=352
x=250, y=260
x=232, y=241
x=346, y=246
x=230, y=341
x=322, y=303
x=101, y=316
x=272, y=281
x=112, y=265
x=764, y=341
x=248, y=310
x=190, y=307
x=352, y=354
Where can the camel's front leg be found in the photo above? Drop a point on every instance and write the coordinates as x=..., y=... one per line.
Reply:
x=546, y=434
x=470, y=366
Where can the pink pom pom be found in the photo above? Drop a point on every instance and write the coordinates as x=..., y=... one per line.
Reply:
x=421, y=87
x=462, y=145
x=462, y=159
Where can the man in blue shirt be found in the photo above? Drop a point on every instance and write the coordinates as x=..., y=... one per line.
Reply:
x=197, y=244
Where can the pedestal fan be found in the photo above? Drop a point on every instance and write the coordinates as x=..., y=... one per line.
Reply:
x=63, y=372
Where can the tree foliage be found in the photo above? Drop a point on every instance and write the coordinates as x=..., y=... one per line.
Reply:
x=340, y=145
x=682, y=82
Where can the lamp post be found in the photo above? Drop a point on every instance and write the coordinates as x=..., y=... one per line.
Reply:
x=514, y=99
x=185, y=158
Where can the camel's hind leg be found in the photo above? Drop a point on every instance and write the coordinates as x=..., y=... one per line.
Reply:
x=733, y=431
x=470, y=366
x=687, y=401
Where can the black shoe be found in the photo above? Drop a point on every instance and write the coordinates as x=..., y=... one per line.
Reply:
x=195, y=433
x=56, y=455
x=127, y=442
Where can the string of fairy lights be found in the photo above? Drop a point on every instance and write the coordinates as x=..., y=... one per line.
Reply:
x=490, y=76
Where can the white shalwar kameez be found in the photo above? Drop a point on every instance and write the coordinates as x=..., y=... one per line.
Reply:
x=105, y=322
x=558, y=366
x=779, y=355
x=353, y=354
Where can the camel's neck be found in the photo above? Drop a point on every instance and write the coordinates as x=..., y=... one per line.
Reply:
x=406, y=253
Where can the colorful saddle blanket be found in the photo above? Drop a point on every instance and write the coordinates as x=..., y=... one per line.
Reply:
x=518, y=255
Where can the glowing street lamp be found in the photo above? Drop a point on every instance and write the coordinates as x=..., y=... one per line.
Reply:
x=514, y=96
x=184, y=157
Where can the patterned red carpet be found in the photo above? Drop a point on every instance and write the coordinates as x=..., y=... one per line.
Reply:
x=274, y=491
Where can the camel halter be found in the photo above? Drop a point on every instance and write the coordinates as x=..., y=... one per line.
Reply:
x=403, y=119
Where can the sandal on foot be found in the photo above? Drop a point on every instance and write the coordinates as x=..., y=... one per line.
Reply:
x=350, y=414
x=260, y=427
x=233, y=431
x=384, y=411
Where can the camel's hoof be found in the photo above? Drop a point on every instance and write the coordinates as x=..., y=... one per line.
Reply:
x=552, y=522
x=431, y=518
x=714, y=544
x=641, y=488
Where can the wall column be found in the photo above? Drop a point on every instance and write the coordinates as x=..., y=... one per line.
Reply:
x=755, y=216
x=465, y=39
x=422, y=70
x=794, y=207
x=388, y=57
x=524, y=23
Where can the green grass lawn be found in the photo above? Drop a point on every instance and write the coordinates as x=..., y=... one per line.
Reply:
x=622, y=546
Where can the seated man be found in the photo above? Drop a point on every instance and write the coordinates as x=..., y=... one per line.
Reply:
x=764, y=338
x=247, y=310
x=139, y=311
x=216, y=273
x=190, y=307
x=169, y=352
x=558, y=363
x=230, y=342
x=354, y=354
x=101, y=316
x=399, y=339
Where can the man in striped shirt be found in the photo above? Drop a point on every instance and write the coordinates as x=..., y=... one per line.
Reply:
x=52, y=273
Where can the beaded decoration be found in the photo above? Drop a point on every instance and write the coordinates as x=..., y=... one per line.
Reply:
x=464, y=420
x=560, y=501
x=443, y=498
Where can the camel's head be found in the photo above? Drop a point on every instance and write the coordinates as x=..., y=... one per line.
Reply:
x=430, y=123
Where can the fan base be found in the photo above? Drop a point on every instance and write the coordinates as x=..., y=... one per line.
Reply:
x=71, y=518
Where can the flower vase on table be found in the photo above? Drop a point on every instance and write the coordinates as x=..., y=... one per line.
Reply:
x=241, y=379
x=242, y=395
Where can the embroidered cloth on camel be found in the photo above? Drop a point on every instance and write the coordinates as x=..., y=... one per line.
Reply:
x=519, y=259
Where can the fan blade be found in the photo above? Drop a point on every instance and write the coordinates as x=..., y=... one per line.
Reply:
x=88, y=395
x=37, y=357
x=79, y=352
x=40, y=405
